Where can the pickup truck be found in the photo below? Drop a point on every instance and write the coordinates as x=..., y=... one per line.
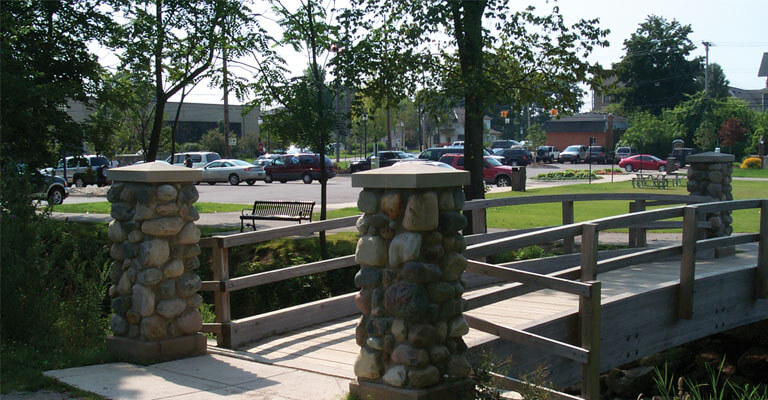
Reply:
x=547, y=154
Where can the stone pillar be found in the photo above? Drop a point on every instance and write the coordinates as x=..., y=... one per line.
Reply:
x=410, y=282
x=154, y=248
x=709, y=174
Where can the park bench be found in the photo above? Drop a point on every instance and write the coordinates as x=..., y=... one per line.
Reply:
x=277, y=210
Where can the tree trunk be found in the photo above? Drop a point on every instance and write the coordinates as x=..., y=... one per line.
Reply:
x=225, y=82
x=154, y=138
x=323, y=169
x=469, y=34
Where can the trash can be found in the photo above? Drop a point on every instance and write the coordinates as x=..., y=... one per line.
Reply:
x=671, y=165
x=518, y=179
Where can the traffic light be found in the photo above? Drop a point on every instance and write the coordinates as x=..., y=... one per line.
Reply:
x=504, y=113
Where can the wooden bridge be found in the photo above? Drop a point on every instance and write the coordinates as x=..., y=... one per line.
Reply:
x=577, y=314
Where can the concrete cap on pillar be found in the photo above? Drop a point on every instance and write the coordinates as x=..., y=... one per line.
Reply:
x=710, y=156
x=410, y=175
x=153, y=172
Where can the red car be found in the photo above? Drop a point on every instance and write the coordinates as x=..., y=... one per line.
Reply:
x=493, y=171
x=643, y=161
x=293, y=167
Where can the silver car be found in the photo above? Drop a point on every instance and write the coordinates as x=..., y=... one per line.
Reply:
x=232, y=171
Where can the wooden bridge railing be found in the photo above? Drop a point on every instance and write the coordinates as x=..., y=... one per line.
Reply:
x=589, y=304
x=232, y=333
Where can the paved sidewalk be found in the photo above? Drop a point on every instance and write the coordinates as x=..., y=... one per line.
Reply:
x=205, y=377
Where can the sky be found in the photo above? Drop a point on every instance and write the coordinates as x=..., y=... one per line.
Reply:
x=737, y=29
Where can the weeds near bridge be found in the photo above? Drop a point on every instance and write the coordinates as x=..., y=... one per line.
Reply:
x=716, y=388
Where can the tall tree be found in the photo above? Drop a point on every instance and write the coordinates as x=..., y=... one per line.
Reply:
x=305, y=29
x=491, y=53
x=45, y=62
x=655, y=70
x=174, y=43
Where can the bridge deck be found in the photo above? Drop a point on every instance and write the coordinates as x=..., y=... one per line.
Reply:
x=330, y=348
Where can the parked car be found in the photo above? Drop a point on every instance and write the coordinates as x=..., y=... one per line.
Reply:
x=624, y=152
x=386, y=159
x=199, y=158
x=458, y=143
x=599, y=155
x=233, y=171
x=50, y=188
x=82, y=170
x=643, y=161
x=493, y=171
x=515, y=156
x=293, y=167
x=546, y=154
x=419, y=161
x=265, y=159
x=575, y=153
x=504, y=144
x=435, y=153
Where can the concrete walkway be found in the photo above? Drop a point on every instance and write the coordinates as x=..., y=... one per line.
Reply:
x=205, y=377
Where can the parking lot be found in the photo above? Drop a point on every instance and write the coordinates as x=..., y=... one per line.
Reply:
x=340, y=189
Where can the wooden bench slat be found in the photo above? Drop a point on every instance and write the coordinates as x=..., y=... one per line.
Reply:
x=277, y=210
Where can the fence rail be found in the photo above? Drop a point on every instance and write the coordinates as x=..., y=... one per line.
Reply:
x=562, y=270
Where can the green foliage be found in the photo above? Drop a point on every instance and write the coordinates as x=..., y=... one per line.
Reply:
x=537, y=136
x=655, y=71
x=653, y=134
x=526, y=253
x=44, y=63
x=54, y=283
x=716, y=387
x=213, y=140
x=568, y=175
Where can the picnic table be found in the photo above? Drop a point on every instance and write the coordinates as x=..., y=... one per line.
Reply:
x=659, y=181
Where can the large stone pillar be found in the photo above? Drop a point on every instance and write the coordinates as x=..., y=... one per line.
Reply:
x=410, y=284
x=709, y=174
x=154, y=248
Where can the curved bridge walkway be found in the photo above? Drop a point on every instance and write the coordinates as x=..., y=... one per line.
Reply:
x=576, y=314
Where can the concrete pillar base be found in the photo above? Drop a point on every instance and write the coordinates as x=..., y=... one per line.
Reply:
x=141, y=352
x=458, y=390
x=727, y=251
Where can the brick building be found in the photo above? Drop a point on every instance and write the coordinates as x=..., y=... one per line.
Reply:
x=577, y=129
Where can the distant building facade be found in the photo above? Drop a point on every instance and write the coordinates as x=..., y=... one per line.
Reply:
x=195, y=119
x=577, y=129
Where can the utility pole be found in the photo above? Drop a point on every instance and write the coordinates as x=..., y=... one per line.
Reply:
x=706, y=65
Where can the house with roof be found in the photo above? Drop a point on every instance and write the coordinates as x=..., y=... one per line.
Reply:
x=577, y=129
x=454, y=131
x=756, y=99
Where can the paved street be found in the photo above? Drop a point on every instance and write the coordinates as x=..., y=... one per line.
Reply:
x=340, y=189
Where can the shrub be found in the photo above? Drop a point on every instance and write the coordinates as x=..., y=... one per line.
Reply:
x=567, y=175
x=54, y=282
x=751, y=162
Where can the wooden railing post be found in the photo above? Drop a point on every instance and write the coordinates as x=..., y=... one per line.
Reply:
x=589, y=318
x=589, y=239
x=687, y=264
x=567, y=220
x=761, y=278
x=478, y=221
x=221, y=298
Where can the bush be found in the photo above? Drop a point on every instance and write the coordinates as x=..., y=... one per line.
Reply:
x=567, y=175
x=751, y=162
x=54, y=282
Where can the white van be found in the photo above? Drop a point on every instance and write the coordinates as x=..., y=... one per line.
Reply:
x=199, y=158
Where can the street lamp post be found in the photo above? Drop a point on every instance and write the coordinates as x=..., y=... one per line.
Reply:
x=402, y=135
x=365, y=134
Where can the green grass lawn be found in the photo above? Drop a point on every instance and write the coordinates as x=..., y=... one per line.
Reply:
x=534, y=215
x=525, y=216
x=750, y=173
